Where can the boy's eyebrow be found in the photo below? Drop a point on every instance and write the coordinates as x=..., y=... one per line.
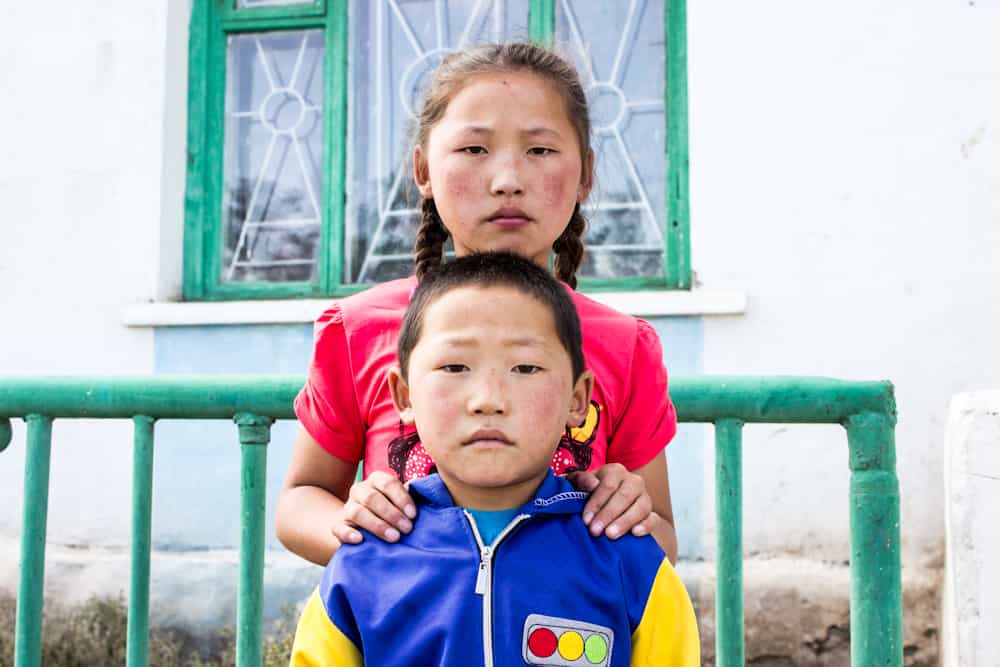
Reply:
x=471, y=341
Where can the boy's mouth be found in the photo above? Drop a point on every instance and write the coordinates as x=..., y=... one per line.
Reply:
x=488, y=437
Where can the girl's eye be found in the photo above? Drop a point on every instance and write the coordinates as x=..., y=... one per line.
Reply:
x=526, y=369
x=540, y=150
x=454, y=368
x=474, y=150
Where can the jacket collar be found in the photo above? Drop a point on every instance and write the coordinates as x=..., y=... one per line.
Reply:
x=554, y=496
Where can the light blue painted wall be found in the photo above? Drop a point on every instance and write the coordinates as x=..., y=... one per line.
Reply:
x=683, y=344
x=196, y=488
x=200, y=460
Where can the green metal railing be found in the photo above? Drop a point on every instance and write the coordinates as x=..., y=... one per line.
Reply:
x=865, y=409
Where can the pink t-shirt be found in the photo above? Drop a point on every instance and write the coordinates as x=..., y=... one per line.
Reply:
x=346, y=407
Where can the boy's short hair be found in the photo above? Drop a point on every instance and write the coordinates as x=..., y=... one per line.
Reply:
x=494, y=269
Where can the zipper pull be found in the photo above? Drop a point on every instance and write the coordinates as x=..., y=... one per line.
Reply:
x=484, y=564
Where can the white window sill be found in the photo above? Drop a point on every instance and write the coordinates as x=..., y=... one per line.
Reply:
x=297, y=311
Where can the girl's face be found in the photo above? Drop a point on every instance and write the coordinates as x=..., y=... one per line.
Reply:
x=503, y=166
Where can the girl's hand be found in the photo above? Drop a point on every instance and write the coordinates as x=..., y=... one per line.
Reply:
x=618, y=501
x=381, y=505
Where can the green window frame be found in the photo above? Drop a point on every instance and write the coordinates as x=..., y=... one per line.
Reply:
x=213, y=21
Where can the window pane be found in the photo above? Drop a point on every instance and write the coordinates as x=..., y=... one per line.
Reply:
x=273, y=157
x=619, y=49
x=394, y=46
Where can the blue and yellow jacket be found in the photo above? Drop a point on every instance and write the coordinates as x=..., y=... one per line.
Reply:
x=545, y=593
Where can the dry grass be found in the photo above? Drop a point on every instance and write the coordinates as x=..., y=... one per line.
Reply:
x=93, y=635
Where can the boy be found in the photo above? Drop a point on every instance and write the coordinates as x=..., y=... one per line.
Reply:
x=499, y=569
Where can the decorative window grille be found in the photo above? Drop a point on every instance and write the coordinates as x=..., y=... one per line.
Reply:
x=299, y=177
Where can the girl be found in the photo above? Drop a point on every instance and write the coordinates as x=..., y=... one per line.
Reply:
x=502, y=160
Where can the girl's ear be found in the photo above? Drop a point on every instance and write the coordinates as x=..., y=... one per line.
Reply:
x=579, y=406
x=421, y=174
x=400, y=395
x=586, y=178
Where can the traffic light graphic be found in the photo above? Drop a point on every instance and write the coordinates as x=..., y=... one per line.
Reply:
x=563, y=642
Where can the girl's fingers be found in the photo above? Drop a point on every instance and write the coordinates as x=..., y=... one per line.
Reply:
x=646, y=526
x=583, y=480
x=632, y=517
x=602, y=483
x=347, y=534
x=618, y=493
x=397, y=494
x=377, y=504
x=597, y=514
x=362, y=517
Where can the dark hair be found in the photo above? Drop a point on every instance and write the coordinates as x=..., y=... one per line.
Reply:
x=449, y=78
x=494, y=269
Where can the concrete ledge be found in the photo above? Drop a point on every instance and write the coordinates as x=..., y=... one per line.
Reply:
x=299, y=311
x=971, y=606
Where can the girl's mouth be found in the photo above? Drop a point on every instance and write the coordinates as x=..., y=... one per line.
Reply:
x=509, y=217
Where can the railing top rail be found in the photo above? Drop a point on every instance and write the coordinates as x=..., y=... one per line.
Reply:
x=784, y=399
x=160, y=396
x=779, y=399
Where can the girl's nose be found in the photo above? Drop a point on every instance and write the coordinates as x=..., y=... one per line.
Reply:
x=507, y=179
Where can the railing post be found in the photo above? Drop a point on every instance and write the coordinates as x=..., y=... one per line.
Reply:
x=31, y=589
x=255, y=434
x=876, y=590
x=729, y=643
x=142, y=508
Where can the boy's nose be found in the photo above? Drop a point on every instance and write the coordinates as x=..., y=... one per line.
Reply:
x=489, y=397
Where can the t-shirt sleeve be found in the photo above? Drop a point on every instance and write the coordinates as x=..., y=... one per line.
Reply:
x=647, y=421
x=327, y=406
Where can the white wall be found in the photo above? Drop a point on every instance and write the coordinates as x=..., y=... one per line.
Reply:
x=845, y=163
x=81, y=179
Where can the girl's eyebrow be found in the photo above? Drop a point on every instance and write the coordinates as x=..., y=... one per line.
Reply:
x=540, y=131
x=531, y=131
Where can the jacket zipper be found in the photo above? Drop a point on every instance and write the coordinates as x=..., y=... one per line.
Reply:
x=484, y=580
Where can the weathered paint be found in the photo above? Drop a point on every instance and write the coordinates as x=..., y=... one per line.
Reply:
x=677, y=258
x=30, y=592
x=254, y=436
x=139, y=562
x=876, y=586
x=729, y=635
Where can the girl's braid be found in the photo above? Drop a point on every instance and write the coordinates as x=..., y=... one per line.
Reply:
x=569, y=248
x=431, y=235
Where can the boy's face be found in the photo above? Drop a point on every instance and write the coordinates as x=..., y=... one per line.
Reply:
x=490, y=388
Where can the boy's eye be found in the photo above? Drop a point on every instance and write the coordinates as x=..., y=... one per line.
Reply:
x=526, y=369
x=454, y=368
x=540, y=150
x=474, y=150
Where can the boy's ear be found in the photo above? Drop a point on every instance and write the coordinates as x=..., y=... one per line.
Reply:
x=580, y=405
x=400, y=395
x=421, y=174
